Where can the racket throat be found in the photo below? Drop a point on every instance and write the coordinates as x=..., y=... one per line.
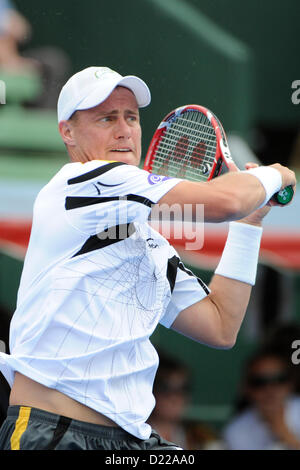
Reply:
x=218, y=168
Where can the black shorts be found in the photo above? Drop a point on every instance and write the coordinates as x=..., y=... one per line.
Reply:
x=28, y=428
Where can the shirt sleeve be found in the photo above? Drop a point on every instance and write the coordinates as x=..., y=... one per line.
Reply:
x=186, y=290
x=101, y=194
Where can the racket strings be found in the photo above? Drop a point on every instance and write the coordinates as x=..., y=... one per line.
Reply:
x=194, y=134
x=197, y=129
x=174, y=135
x=173, y=140
x=187, y=148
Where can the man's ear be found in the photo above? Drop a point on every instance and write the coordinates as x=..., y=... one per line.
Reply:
x=66, y=131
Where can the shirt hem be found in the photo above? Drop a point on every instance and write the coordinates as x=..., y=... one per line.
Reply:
x=10, y=365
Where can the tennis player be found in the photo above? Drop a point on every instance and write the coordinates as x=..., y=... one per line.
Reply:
x=97, y=279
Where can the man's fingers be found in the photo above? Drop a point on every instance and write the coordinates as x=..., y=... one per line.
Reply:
x=250, y=165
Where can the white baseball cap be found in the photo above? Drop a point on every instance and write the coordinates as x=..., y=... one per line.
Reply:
x=92, y=86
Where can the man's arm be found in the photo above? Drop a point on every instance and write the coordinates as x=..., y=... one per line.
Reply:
x=216, y=320
x=228, y=197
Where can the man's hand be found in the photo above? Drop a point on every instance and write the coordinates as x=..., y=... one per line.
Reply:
x=257, y=216
x=288, y=176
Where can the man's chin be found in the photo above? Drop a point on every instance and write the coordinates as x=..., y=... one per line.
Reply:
x=125, y=157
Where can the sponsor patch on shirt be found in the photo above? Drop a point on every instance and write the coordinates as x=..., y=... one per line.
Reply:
x=154, y=179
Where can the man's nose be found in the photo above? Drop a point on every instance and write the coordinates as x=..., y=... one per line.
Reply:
x=122, y=129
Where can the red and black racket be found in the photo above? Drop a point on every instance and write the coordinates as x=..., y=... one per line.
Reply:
x=190, y=143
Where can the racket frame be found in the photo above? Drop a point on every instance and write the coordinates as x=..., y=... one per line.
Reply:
x=222, y=152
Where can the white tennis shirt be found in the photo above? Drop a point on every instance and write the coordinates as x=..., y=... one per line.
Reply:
x=97, y=280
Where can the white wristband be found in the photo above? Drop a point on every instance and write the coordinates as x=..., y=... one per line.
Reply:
x=240, y=255
x=270, y=178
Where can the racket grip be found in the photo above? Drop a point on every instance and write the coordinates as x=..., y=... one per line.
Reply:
x=284, y=196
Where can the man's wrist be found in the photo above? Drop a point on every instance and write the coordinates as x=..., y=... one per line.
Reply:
x=270, y=178
x=240, y=255
x=245, y=221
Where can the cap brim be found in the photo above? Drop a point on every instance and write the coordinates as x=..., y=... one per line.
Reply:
x=100, y=94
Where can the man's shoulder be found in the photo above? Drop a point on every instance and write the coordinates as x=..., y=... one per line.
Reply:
x=77, y=172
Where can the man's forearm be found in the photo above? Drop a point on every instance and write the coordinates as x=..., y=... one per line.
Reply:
x=216, y=320
x=226, y=198
x=236, y=274
x=231, y=196
x=245, y=193
x=231, y=299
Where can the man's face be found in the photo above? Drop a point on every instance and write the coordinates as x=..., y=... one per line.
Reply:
x=109, y=131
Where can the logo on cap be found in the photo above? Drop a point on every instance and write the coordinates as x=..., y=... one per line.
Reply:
x=103, y=71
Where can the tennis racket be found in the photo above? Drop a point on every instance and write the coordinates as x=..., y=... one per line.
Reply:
x=190, y=143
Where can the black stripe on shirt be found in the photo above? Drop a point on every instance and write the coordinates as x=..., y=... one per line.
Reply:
x=173, y=264
x=172, y=271
x=94, y=173
x=107, y=237
x=74, y=202
x=183, y=268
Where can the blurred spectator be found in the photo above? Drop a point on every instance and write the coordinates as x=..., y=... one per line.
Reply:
x=50, y=63
x=280, y=339
x=14, y=31
x=171, y=390
x=270, y=418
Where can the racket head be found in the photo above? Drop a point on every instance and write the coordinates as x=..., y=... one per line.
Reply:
x=189, y=143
